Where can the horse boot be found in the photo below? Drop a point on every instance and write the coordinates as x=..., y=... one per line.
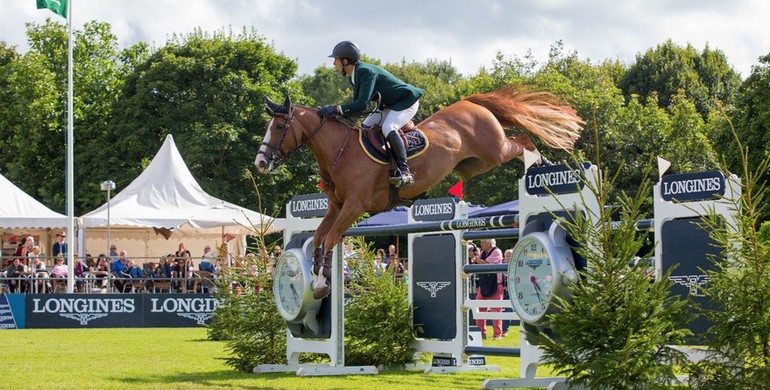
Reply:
x=322, y=269
x=403, y=175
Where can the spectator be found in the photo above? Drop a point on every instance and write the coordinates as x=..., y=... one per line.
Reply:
x=277, y=252
x=163, y=270
x=208, y=260
x=28, y=251
x=79, y=271
x=101, y=271
x=395, y=267
x=60, y=270
x=118, y=269
x=490, y=286
x=41, y=274
x=59, y=247
x=90, y=262
x=183, y=253
x=391, y=252
x=179, y=273
x=113, y=253
x=13, y=272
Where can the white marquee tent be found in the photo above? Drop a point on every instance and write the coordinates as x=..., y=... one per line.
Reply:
x=21, y=213
x=167, y=198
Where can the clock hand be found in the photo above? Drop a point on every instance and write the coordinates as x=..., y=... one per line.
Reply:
x=294, y=292
x=537, y=286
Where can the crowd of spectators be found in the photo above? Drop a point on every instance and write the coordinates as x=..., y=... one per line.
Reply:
x=113, y=272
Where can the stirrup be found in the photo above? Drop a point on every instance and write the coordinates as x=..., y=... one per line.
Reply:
x=402, y=178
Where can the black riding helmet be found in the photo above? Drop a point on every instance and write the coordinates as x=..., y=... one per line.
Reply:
x=346, y=49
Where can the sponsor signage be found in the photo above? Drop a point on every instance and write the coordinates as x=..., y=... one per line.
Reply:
x=556, y=179
x=690, y=187
x=118, y=310
x=441, y=209
x=451, y=361
x=7, y=320
x=308, y=205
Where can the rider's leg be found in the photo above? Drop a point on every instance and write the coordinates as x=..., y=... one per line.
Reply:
x=393, y=121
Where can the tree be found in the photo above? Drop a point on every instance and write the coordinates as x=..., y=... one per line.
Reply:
x=704, y=77
x=208, y=90
x=751, y=117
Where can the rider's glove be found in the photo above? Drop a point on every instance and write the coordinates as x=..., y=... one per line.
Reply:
x=327, y=111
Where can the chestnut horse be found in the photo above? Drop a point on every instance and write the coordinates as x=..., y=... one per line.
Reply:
x=467, y=137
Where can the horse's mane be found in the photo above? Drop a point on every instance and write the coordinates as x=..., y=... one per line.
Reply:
x=542, y=113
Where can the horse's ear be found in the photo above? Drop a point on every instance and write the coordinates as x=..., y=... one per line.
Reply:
x=269, y=111
x=272, y=106
x=287, y=102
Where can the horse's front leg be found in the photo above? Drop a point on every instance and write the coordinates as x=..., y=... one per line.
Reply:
x=319, y=237
x=346, y=216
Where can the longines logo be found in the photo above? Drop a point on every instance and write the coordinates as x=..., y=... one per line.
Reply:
x=433, y=287
x=198, y=309
x=691, y=281
x=83, y=310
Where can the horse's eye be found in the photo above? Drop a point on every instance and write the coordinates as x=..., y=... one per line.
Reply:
x=280, y=126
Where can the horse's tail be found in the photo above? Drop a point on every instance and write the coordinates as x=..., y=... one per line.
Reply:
x=543, y=114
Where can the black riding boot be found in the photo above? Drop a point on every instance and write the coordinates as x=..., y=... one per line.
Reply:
x=404, y=176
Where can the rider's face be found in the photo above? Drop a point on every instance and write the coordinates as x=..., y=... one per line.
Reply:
x=338, y=64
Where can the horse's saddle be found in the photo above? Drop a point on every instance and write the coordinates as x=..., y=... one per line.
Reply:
x=373, y=142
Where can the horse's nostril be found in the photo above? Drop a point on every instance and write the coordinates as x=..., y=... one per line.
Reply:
x=262, y=164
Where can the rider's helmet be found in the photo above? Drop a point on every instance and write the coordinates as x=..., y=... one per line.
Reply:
x=346, y=49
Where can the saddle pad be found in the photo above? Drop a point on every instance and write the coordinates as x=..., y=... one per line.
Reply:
x=416, y=144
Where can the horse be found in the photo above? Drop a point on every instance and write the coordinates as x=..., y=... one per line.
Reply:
x=467, y=137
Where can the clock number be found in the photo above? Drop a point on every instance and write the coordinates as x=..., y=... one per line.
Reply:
x=520, y=295
x=518, y=279
x=520, y=263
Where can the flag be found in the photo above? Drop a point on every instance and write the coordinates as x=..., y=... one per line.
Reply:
x=457, y=189
x=58, y=7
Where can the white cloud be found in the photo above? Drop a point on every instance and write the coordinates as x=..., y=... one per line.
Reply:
x=468, y=33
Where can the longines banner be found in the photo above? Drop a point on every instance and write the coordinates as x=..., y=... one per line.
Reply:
x=109, y=310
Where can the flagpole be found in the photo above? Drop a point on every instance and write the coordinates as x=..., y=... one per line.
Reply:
x=70, y=161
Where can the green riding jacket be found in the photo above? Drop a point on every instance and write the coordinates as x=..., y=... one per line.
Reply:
x=368, y=79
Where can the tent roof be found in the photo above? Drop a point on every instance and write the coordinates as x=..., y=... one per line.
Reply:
x=166, y=195
x=18, y=210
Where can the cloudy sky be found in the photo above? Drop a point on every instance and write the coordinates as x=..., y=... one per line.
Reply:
x=467, y=32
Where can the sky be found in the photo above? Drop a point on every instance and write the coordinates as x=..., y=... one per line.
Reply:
x=469, y=33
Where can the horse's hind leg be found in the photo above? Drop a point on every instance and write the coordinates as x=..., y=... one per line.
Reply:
x=520, y=143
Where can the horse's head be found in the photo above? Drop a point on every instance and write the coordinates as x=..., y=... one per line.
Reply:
x=281, y=137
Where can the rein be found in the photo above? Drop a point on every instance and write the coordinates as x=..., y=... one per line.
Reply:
x=279, y=159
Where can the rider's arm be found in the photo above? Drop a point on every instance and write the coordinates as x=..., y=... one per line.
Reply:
x=365, y=80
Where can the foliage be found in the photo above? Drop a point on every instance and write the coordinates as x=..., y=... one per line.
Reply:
x=378, y=328
x=248, y=317
x=617, y=330
x=751, y=116
x=739, y=286
x=705, y=77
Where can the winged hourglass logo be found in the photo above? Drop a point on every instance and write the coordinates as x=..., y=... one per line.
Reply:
x=691, y=281
x=433, y=287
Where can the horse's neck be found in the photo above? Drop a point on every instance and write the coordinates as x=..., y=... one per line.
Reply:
x=327, y=142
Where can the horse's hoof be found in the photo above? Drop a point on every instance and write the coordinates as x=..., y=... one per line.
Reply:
x=327, y=272
x=320, y=292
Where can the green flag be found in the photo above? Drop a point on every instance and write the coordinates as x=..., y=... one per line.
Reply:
x=57, y=6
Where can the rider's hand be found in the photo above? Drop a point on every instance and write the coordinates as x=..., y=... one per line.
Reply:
x=327, y=111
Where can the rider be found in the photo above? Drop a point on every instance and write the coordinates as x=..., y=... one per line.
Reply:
x=400, y=100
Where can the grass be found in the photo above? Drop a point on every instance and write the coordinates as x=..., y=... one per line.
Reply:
x=182, y=358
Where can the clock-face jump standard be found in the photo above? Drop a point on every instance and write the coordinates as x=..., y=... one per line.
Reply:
x=293, y=292
x=541, y=266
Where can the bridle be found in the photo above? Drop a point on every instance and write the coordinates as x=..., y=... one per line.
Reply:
x=277, y=157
